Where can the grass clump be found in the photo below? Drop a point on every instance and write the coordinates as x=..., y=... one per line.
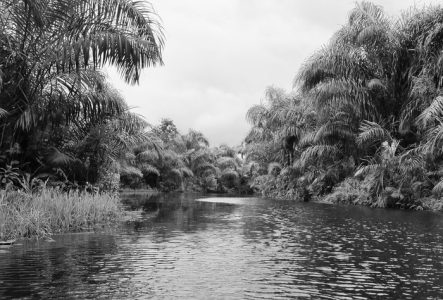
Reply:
x=50, y=210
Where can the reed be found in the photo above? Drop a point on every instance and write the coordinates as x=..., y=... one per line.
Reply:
x=49, y=211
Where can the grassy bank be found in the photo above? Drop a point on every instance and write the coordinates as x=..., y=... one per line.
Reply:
x=52, y=211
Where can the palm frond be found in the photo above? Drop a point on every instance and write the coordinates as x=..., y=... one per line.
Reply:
x=366, y=170
x=336, y=130
x=307, y=139
x=58, y=158
x=318, y=152
x=3, y=113
x=438, y=188
x=131, y=171
x=147, y=156
x=371, y=132
x=256, y=114
x=376, y=84
x=149, y=169
x=433, y=111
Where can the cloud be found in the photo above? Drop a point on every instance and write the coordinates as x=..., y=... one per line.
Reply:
x=220, y=56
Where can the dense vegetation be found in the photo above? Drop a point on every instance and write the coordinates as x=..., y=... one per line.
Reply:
x=364, y=122
x=60, y=121
x=63, y=128
x=172, y=161
x=62, y=124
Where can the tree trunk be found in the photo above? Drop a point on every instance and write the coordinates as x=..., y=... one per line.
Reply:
x=109, y=177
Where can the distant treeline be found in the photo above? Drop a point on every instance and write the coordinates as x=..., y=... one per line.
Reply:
x=171, y=161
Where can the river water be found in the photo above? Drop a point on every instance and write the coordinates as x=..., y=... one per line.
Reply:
x=191, y=247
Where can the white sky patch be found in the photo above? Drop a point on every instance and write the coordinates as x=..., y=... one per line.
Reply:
x=220, y=56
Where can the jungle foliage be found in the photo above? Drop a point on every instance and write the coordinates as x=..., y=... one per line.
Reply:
x=60, y=121
x=171, y=161
x=363, y=124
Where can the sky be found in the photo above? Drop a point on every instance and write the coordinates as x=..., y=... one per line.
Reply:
x=221, y=55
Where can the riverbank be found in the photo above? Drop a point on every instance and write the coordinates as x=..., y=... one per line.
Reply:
x=352, y=191
x=50, y=211
x=355, y=192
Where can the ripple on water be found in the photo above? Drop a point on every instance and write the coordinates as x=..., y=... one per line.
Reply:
x=237, y=248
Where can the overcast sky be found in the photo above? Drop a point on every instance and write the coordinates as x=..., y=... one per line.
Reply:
x=220, y=55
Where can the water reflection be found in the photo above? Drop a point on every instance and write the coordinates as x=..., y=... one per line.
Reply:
x=235, y=249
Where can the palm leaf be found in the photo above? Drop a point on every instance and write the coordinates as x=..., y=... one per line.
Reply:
x=318, y=152
x=150, y=169
x=433, y=111
x=371, y=132
x=438, y=188
x=365, y=170
x=131, y=171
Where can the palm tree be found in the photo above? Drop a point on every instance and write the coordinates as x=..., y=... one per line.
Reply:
x=393, y=170
x=50, y=54
x=280, y=122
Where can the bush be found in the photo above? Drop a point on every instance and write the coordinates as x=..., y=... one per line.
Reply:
x=351, y=191
x=431, y=203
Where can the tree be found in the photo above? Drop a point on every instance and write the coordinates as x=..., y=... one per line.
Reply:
x=370, y=98
x=50, y=54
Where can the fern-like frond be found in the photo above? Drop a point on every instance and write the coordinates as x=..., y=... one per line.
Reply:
x=366, y=170
x=256, y=115
x=371, y=132
x=318, y=153
x=58, y=158
x=438, y=188
x=335, y=130
x=434, y=139
x=432, y=112
x=186, y=172
x=307, y=139
x=131, y=171
x=149, y=169
x=3, y=112
x=376, y=84
x=147, y=156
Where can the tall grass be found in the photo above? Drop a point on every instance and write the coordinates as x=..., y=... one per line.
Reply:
x=52, y=211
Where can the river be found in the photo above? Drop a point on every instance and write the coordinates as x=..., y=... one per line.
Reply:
x=195, y=247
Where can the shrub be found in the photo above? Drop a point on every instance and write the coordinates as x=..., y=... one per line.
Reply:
x=351, y=191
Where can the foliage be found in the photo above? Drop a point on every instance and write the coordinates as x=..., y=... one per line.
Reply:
x=173, y=161
x=368, y=103
x=58, y=114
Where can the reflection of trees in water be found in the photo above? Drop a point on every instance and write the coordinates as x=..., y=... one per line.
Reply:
x=139, y=200
x=163, y=214
x=73, y=262
x=282, y=245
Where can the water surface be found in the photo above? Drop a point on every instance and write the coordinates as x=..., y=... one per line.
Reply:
x=189, y=247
